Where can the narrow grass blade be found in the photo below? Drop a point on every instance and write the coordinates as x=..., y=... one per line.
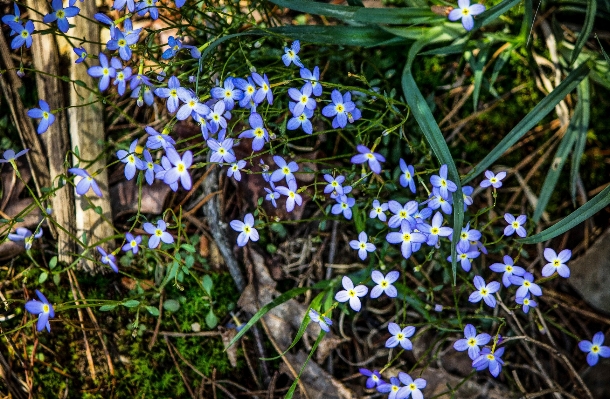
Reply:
x=293, y=387
x=365, y=36
x=499, y=64
x=477, y=64
x=584, y=98
x=494, y=13
x=561, y=155
x=434, y=136
x=594, y=205
x=531, y=119
x=587, y=28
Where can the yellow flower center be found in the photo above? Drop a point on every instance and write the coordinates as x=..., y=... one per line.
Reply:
x=45, y=308
x=122, y=42
x=340, y=108
x=181, y=167
x=435, y=230
x=351, y=293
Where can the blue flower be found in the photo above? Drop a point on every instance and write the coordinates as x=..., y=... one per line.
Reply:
x=471, y=341
x=43, y=309
x=466, y=12
x=24, y=34
x=257, y=132
x=104, y=71
x=10, y=156
x=248, y=89
x=246, y=230
x=290, y=54
x=378, y=210
x=313, y=78
x=149, y=167
x=234, y=169
x=291, y=193
x=323, y=321
x=441, y=182
x=406, y=237
x=108, y=259
x=412, y=388
x=121, y=78
x=351, y=293
x=301, y=120
x=527, y=302
x=465, y=258
x=25, y=235
x=374, y=376
x=384, y=284
x=157, y=140
x=369, y=156
x=120, y=4
x=303, y=99
x=491, y=360
x=392, y=387
x=344, y=205
x=217, y=117
x=466, y=193
x=122, y=43
x=15, y=18
x=362, y=245
x=492, y=179
x=229, y=94
x=146, y=6
x=285, y=170
x=466, y=236
x=407, y=178
x=60, y=14
x=508, y=268
x=526, y=284
x=437, y=201
x=402, y=213
x=180, y=169
x=81, y=53
x=157, y=233
x=515, y=225
x=557, y=263
x=265, y=89
x=191, y=104
x=594, y=349
x=132, y=243
x=334, y=184
x=222, y=151
x=86, y=182
x=434, y=230
x=43, y=112
x=131, y=161
x=342, y=108
x=400, y=336
x=484, y=291
x=175, y=45
x=272, y=195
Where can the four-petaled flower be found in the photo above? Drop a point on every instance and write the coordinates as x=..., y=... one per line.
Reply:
x=594, y=349
x=508, y=268
x=369, y=156
x=132, y=243
x=246, y=230
x=180, y=169
x=103, y=71
x=466, y=12
x=392, y=387
x=285, y=170
x=374, y=378
x=86, y=182
x=43, y=309
x=489, y=359
x=60, y=14
x=484, y=291
x=362, y=245
x=351, y=293
x=344, y=205
x=291, y=193
x=131, y=161
x=290, y=54
x=492, y=179
x=258, y=132
x=556, y=263
x=407, y=178
x=384, y=284
x=313, y=78
x=515, y=225
x=400, y=336
x=526, y=283
x=108, y=259
x=24, y=34
x=527, y=302
x=407, y=238
x=342, y=108
x=25, y=235
x=471, y=341
x=323, y=321
x=378, y=210
x=302, y=98
x=43, y=112
x=412, y=388
x=157, y=233
x=444, y=185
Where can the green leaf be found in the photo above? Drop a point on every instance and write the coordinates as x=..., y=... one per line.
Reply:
x=171, y=305
x=211, y=320
x=594, y=205
x=207, y=284
x=80, y=83
x=43, y=277
x=434, y=136
x=365, y=36
x=106, y=308
x=188, y=248
x=561, y=155
x=584, y=98
x=494, y=13
x=153, y=311
x=587, y=28
x=53, y=262
x=293, y=387
x=277, y=301
x=132, y=303
x=531, y=119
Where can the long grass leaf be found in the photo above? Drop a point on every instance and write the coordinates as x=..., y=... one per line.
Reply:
x=594, y=205
x=494, y=13
x=561, y=155
x=531, y=119
x=434, y=136
x=584, y=98
x=365, y=36
x=293, y=387
x=587, y=28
